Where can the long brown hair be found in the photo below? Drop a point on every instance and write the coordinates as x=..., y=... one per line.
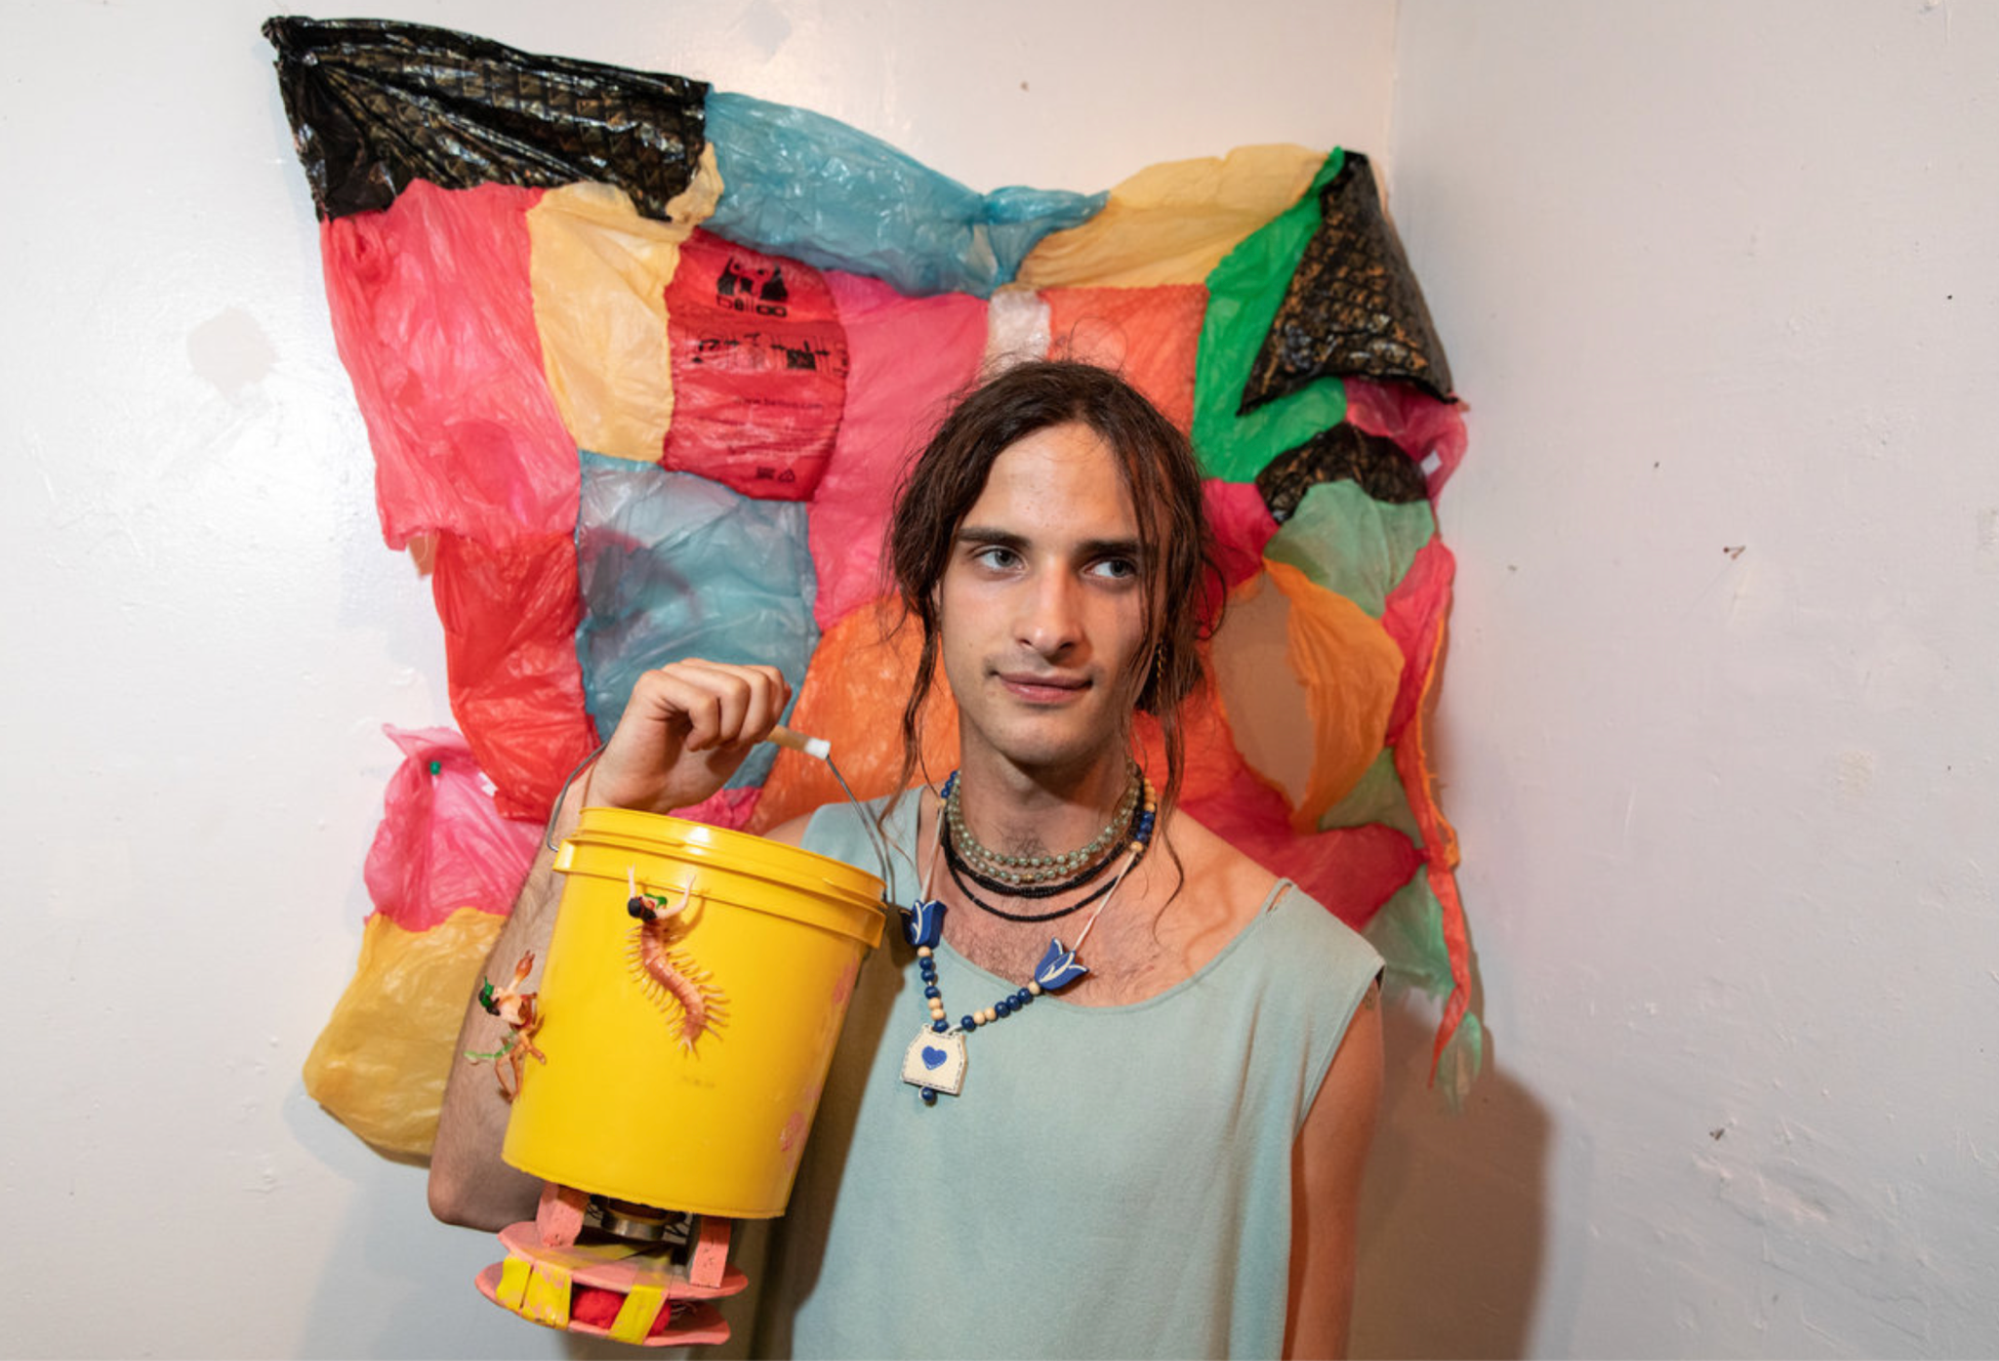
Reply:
x=1183, y=587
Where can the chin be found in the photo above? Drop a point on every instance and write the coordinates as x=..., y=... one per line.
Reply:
x=1045, y=750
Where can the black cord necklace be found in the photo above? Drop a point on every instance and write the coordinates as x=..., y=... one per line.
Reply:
x=955, y=865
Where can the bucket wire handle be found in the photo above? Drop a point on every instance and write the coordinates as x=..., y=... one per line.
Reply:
x=555, y=809
x=821, y=749
x=817, y=747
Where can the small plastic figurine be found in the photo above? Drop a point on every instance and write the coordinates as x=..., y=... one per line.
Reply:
x=517, y=1009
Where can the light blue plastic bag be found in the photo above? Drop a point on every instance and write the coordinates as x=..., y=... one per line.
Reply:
x=672, y=566
x=801, y=184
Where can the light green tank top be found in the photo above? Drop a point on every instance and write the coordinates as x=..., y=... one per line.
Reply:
x=1114, y=1181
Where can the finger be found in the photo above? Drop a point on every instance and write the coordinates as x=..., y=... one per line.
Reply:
x=751, y=698
x=765, y=693
x=727, y=699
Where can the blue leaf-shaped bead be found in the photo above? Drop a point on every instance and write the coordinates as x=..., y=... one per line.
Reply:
x=923, y=923
x=1058, y=968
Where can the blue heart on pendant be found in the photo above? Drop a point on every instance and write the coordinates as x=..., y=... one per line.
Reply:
x=933, y=1058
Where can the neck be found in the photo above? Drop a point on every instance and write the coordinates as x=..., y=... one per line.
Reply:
x=1040, y=810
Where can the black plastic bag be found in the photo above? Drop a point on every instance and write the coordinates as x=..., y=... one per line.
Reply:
x=1353, y=306
x=375, y=104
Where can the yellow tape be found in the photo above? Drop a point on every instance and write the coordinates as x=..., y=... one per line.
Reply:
x=547, y=1296
x=514, y=1275
x=638, y=1313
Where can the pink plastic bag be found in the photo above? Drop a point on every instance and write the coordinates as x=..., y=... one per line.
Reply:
x=1426, y=428
x=910, y=355
x=442, y=844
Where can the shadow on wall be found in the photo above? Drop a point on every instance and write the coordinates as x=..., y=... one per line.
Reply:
x=1454, y=1218
x=418, y=1298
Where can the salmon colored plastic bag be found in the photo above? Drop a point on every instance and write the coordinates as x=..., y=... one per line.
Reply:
x=1352, y=871
x=1150, y=335
x=434, y=318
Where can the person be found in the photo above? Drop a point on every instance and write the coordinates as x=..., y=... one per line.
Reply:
x=1162, y=1155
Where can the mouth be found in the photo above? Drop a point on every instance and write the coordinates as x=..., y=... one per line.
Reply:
x=1033, y=687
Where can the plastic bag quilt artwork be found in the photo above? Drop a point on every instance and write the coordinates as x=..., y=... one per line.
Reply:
x=641, y=363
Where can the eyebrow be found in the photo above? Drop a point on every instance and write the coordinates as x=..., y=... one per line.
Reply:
x=1089, y=548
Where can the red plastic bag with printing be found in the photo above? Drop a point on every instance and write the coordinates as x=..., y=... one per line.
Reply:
x=759, y=370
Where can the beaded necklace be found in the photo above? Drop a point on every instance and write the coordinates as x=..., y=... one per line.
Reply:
x=935, y=1060
x=1036, y=869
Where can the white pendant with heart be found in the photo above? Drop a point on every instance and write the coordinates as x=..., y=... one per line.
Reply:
x=936, y=1061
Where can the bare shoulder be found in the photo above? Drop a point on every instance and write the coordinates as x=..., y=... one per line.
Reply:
x=1216, y=870
x=1222, y=891
x=791, y=833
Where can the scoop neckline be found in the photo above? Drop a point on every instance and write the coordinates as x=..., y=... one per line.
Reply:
x=1280, y=890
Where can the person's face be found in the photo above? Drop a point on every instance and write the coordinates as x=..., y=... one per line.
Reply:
x=1042, y=605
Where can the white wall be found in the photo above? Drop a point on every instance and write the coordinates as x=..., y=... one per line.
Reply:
x=1714, y=275
x=205, y=633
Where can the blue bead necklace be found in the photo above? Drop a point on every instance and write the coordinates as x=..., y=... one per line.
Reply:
x=935, y=1061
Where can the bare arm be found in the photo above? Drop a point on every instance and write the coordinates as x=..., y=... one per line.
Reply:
x=1326, y=1168
x=684, y=732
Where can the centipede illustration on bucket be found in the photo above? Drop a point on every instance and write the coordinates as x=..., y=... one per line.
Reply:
x=693, y=991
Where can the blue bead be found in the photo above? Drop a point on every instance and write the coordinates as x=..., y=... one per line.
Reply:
x=929, y=1097
x=940, y=1026
x=968, y=1023
x=1003, y=1007
x=1022, y=998
x=932, y=991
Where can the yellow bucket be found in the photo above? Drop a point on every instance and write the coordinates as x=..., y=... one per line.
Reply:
x=685, y=1057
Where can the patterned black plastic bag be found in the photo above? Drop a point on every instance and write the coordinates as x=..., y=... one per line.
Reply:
x=1353, y=306
x=1375, y=462
x=375, y=104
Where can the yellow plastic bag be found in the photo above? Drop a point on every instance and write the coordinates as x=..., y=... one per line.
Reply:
x=380, y=1063
x=599, y=273
x=1172, y=223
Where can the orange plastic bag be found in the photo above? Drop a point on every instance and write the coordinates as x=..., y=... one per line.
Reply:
x=1150, y=335
x=852, y=697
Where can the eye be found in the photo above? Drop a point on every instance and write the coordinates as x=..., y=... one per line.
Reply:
x=997, y=557
x=1115, y=569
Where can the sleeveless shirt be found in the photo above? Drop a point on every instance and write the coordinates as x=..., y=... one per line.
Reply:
x=1114, y=1181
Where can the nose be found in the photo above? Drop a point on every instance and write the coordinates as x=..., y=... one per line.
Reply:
x=1051, y=615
